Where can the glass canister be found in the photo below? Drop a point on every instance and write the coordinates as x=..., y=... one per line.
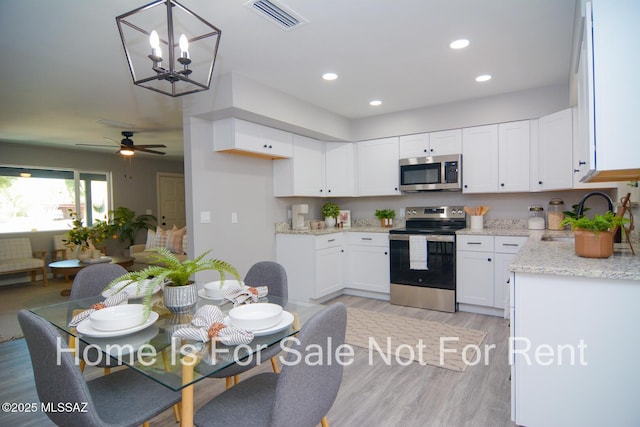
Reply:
x=536, y=218
x=555, y=214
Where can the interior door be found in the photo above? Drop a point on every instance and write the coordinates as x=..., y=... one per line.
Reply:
x=171, y=207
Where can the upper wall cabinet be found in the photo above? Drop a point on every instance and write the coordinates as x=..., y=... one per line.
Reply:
x=608, y=92
x=431, y=144
x=378, y=167
x=242, y=137
x=552, y=152
x=513, y=156
x=340, y=169
x=317, y=169
x=480, y=159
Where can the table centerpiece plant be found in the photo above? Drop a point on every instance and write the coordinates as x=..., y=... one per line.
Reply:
x=594, y=236
x=180, y=292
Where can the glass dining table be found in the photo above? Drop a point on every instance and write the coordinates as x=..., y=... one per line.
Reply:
x=174, y=363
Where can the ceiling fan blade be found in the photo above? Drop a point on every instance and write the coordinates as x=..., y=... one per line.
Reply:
x=112, y=140
x=152, y=146
x=149, y=151
x=95, y=145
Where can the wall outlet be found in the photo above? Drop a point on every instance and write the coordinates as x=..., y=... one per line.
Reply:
x=205, y=217
x=234, y=217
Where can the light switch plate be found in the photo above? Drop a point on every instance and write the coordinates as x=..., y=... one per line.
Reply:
x=234, y=217
x=205, y=217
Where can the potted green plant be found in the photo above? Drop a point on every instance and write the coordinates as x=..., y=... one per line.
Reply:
x=385, y=216
x=124, y=224
x=180, y=293
x=330, y=212
x=594, y=237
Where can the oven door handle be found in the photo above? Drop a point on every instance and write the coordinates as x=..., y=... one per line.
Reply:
x=430, y=237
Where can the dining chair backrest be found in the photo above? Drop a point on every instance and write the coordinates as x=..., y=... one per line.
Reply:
x=270, y=274
x=306, y=391
x=58, y=379
x=91, y=280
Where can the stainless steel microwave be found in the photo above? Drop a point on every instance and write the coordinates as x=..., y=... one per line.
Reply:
x=431, y=173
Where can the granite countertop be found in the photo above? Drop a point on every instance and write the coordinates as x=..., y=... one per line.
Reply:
x=559, y=258
x=323, y=231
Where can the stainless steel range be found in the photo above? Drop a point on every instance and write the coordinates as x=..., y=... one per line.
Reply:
x=423, y=258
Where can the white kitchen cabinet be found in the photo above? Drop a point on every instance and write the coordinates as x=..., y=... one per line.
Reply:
x=608, y=87
x=315, y=265
x=482, y=271
x=378, y=167
x=574, y=351
x=340, y=169
x=506, y=248
x=480, y=159
x=368, y=261
x=242, y=137
x=431, y=144
x=513, y=156
x=445, y=142
x=552, y=152
x=317, y=169
x=304, y=173
x=581, y=158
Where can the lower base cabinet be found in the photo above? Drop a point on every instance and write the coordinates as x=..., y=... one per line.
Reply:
x=482, y=271
x=318, y=266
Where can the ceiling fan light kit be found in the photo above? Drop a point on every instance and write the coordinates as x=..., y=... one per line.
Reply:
x=169, y=49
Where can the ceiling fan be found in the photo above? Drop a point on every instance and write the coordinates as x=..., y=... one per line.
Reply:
x=127, y=146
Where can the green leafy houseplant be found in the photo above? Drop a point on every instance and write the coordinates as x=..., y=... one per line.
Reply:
x=385, y=213
x=124, y=224
x=602, y=222
x=330, y=210
x=170, y=271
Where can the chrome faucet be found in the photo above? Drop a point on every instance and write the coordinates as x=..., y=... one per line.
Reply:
x=593, y=193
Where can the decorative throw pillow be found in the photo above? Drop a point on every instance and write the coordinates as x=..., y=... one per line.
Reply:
x=161, y=238
x=151, y=240
x=174, y=240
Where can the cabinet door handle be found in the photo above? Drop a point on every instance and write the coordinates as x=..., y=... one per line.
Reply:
x=474, y=243
x=580, y=163
x=576, y=170
x=489, y=259
x=321, y=190
x=331, y=240
x=540, y=182
x=502, y=184
x=264, y=146
x=386, y=253
x=510, y=244
x=367, y=238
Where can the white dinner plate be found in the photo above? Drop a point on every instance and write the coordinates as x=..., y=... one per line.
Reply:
x=131, y=289
x=203, y=294
x=285, y=322
x=85, y=328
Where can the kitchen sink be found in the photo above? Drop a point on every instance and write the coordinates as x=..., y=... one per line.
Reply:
x=566, y=239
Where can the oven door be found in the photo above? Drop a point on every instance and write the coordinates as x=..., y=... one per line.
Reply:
x=441, y=262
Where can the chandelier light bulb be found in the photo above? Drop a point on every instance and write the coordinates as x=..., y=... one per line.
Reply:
x=154, y=40
x=184, y=46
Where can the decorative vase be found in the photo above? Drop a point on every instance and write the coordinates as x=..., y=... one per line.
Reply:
x=180, y=299
x=329, y=221
x=590, y=244
x=83, y=254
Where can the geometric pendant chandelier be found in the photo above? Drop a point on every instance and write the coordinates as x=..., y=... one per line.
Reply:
x=169, y=49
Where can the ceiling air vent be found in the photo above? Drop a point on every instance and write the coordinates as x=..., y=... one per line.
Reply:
x=277, y=13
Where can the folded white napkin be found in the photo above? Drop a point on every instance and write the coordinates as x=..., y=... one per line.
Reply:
x=208, y=323
x=117, y=299
x=239, y=294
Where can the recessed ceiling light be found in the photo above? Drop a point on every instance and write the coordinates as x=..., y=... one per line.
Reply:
x=375, y=102
x=483, y=78
x=459, y=44
x=329, y=76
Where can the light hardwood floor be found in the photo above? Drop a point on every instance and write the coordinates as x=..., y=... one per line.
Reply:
x=372, y=394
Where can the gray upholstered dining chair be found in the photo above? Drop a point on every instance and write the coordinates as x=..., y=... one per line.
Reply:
x=120, y=399
x=90, y=282
x=300, y=396
x=273, y=276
